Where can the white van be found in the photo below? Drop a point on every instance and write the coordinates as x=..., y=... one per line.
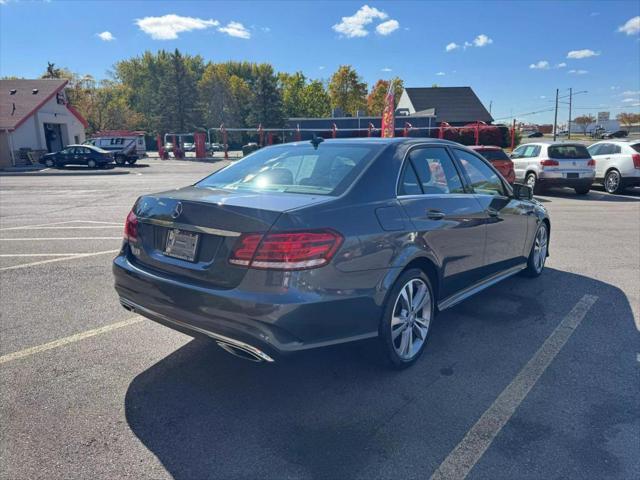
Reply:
x=126, y=146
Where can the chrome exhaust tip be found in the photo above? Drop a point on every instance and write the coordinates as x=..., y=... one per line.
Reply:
x=240, y=352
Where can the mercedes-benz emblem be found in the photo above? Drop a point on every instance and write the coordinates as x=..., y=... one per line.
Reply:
x=177, y=211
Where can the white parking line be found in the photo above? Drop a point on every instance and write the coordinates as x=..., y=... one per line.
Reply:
x=67, y=340
x=42, y=262
x=92, y=227
x=11, y=255
x=466, y=454
x=56, y=238
x=30, y=227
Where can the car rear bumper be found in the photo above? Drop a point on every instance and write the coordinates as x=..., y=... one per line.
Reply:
x=273, y=324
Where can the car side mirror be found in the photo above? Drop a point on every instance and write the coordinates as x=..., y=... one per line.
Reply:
x=522, y=192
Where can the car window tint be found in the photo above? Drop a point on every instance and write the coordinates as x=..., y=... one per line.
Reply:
x=409, y=184
x=616, y=149
x=482, y=178
x=436, y=171
x=594, y=149
x=327, y=170
x=531, y=151
x=518, y=152
x=569, y=152
x=494, y=154
x=636, y=147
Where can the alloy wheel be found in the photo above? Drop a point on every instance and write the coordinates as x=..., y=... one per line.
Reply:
x=531, y=180
x=411, y=318
x=612, y=182
x=540, y=248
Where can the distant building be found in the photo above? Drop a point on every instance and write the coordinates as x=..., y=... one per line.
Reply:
x=455, y=105
x=35, y=115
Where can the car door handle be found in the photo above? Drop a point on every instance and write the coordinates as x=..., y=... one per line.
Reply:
x=435, y=214
x=492, y=212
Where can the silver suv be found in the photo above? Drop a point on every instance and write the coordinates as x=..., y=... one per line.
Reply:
x=560, y=164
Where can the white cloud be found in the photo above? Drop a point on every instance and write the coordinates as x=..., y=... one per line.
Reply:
x=385, y=69
x=561, y=65
x=451, y=46
x=542, y=97
x=321, y=67
x=266, y=29
x=615, y=88
x=482, y=40
x=584, y=53
x=467, y=44
x=628, y=100
x=631, y=27
x=235, y=29
x=541, y=65
x=388, y=27
x=106, y=36
x=594, y=14
x=353, y=26
x=578, y=72
x=440, y=74
x=169, y=26
x=631, y=93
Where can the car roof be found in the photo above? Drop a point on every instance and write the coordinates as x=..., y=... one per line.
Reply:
x=381, y=141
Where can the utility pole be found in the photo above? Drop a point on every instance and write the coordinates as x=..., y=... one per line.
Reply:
x=555, y=118
x=569, y=124
x=490, y=105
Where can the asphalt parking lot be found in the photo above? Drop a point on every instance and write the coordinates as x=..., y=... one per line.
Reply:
x=530, y=379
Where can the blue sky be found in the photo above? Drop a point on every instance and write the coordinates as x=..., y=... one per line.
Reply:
x=513, y=54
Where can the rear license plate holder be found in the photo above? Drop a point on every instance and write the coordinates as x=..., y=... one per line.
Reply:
x=182, y=244
x=573, y=175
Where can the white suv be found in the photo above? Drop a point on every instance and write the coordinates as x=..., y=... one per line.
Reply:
x=617, y=164
x=560, y=164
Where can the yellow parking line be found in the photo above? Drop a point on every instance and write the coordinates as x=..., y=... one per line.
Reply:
x=42, y=262
x=479, y=438
x=67, y=340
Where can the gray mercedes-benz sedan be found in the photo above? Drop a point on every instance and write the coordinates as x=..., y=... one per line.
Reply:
x=309, y=244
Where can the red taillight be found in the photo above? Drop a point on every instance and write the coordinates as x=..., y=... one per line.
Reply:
x=636, y=160
x=131, y=227
x=286, y=251
x=591, y=163
x=549, y=163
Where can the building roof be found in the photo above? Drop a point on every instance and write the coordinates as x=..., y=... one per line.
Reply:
x=452, y=104
x=16, y=108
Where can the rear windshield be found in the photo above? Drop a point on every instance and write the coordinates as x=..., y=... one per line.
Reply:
x=568, y=151
x=493, y=154
x=636, y=147
x=327, y=170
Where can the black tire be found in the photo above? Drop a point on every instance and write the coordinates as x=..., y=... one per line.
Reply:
x=613, y=182
x=120, y=160
x=91, y=163
x=531, y=179
x=132, y=161
x=392, y=331
x=49, y=163
x=534, y=268
x=582, y=190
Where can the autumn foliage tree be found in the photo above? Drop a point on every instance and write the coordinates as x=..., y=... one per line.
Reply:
x=584, y=121
x=627, y=119
x=376, y=99
x=347, y=91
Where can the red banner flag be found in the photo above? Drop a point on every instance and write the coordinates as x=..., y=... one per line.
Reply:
x=388, y=115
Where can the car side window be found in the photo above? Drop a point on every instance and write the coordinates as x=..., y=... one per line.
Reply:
x=605, y=149
x=436, y=171
x=594, y=149
x=482, y=178
x=616, y=149
x=531, y=151
x=409, y=184
x=518, y=152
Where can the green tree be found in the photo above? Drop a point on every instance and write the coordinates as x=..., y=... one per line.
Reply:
x=292, y=87
x=376, y=99
x=315, y=100
x=347, y=91
x=265, y=106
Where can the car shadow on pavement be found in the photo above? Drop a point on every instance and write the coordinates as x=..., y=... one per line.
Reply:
x=339, y=412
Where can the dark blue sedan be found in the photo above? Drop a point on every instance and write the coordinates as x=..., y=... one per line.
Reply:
x=309, y=244
x=92, y=157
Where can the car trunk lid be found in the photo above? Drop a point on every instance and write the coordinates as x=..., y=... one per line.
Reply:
x=205, y=223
